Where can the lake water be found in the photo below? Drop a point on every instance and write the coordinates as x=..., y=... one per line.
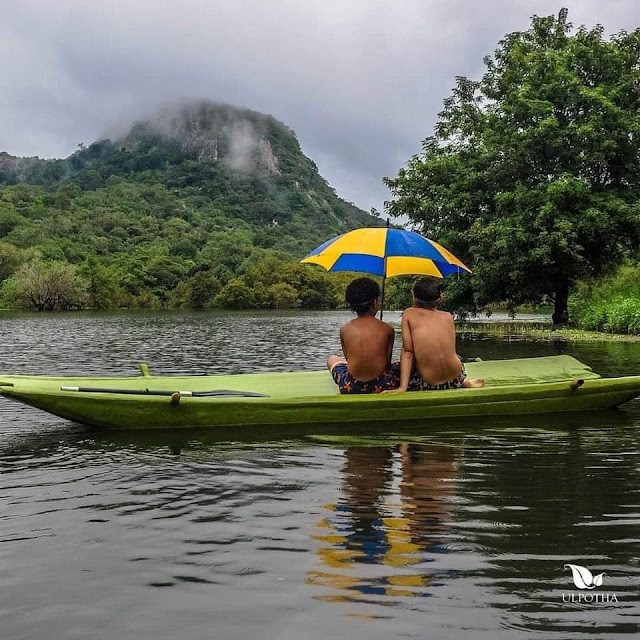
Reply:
x=451, y=530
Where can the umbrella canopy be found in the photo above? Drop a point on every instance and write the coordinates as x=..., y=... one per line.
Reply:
x=386, y=252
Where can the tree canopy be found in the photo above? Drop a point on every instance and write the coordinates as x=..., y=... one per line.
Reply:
x=532, y=175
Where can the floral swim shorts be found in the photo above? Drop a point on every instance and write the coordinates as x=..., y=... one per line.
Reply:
x=348, y=384
x=416, y=383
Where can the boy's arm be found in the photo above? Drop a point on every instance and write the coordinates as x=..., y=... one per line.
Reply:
x=390, y=341
x=344, y=351
x=406, y=356
x=453, y=328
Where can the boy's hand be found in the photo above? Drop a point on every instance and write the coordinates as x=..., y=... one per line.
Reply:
x=398, y=390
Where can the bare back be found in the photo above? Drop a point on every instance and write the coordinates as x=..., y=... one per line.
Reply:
x=432, y=338
x=367, y=344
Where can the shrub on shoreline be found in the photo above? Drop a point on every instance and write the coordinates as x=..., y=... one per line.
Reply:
x=611, y=304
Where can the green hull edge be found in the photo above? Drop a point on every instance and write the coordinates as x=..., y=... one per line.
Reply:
x=514, y=387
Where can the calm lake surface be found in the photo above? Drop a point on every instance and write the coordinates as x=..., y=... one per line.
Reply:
x=449, y=530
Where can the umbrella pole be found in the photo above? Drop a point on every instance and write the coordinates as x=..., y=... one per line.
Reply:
x=384, y=273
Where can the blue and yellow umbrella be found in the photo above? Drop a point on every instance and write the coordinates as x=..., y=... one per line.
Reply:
x=386, y=252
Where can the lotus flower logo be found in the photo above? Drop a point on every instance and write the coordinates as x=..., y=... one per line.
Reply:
x=583, y=578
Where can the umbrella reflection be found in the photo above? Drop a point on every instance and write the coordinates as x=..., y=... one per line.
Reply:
x=393, y=514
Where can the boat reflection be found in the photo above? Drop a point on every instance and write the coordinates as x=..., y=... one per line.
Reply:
x=393, y=513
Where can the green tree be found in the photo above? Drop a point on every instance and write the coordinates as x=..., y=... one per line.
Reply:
x=10, y=259
x=282, y=296
x=532, y=175
x=103, y=284
x=200, y=290
x=226, y=250
x=235, y=295
x=315, y=288
x=42, y=286
x=398, y=292
x=9, y=218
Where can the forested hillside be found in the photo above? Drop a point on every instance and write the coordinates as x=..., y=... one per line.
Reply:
x=204, y=205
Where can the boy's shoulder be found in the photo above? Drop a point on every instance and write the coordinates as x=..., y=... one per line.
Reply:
x=346, y=324
x=427, y=314
x=370, y=320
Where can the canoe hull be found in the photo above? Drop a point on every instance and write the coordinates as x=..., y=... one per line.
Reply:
x=158, y=412
x=514, y=387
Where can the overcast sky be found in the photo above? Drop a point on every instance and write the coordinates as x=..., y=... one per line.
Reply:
x=360, y=81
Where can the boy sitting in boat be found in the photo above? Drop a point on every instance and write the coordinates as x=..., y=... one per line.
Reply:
x=367, y=344
x=429, y=360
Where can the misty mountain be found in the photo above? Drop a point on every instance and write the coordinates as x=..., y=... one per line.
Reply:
x=202, y=205
x=245, y=168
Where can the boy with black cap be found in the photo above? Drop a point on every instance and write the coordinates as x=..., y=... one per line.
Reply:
x=367, y=344
x=429, y=360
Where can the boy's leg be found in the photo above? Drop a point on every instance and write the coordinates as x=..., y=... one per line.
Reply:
x=477, y=383
x=340, y=374
x=332, y=361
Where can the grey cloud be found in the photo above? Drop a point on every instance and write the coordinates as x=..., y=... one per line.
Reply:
x=360, y=81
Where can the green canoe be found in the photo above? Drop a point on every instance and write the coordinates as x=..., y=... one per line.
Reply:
x=525, y=386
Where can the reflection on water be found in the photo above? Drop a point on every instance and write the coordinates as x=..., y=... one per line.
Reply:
x=453, y=529
x=395, y=508
x=483, y=528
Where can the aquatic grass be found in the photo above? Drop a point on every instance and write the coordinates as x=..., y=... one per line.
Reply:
x=516, y=331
